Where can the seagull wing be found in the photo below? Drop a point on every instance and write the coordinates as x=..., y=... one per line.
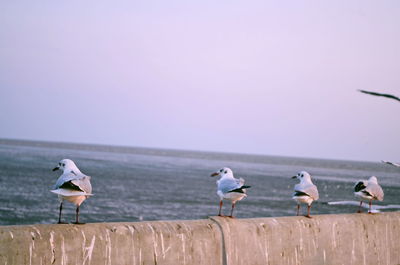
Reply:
x=64, y=178
x=227, y=185
x=391, y=163
x=309, y=190
x=313, y=191
x=380, y=94
x=375, y=191
x=240, y=182
x=71, y=181
x=83, y=182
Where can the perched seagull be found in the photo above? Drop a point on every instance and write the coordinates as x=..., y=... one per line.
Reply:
x=380, y=94
x=305, y=191
x=368, y=190
x=391, y=163
x=73, y=186
x=229, y=188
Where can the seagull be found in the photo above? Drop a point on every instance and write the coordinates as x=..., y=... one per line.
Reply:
x=368, y=190
x=379, y=94
x=391, y=163
x=72, y=185
x=305, y=191
x=228, y=187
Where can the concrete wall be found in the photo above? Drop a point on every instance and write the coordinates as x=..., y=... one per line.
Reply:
x=324, y=239
x=173, y=242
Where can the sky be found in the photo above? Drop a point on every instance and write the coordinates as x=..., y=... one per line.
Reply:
x=260, y=77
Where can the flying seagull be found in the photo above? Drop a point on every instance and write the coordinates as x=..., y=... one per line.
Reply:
x=391, y=163
x=72, y=185
x=305, y=191
x=380, y=94
x=230, y=188
x=368, y=190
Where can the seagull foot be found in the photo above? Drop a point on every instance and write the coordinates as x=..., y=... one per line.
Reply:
x=78, y=223
x=359, y=211
x=230, y=216
x=61, y=223
x=308, y=216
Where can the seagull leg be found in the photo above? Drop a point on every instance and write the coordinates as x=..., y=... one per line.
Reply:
x=370, y=206
x=59, y=216
x=233, y=207
x=220, y=208
x=77, y=217
x=308, y=211
x=77, y=214
x=298, y=209
x=359, y=208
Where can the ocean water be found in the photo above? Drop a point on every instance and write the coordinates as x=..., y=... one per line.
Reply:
x=135, y=184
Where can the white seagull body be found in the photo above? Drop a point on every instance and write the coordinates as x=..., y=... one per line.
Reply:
x=230, y=188
x=368, y=190
x=72, y=185
x=305, y=191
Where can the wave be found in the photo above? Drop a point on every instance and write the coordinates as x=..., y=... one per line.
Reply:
x=374, y=208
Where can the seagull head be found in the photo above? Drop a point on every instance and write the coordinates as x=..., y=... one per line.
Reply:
x=373, y=179
x=67, y=165
x=225, y=171
x=303, y=176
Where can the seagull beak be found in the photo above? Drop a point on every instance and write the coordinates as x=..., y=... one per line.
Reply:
x=56, y=168
x=294, y=177
x=214, y=174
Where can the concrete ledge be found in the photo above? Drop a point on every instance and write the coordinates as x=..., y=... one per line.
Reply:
x=173, y=242
x=324, y=239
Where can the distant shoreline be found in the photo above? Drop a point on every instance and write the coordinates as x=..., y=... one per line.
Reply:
x=166, y=151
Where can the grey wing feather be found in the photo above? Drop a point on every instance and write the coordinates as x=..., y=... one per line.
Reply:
x=64, y=178
x=311, y=190
x=240, y=182
x=83, y=182
x=375, y=190
x=226, y=185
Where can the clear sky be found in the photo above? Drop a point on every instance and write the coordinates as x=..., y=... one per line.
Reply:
x=264, y=77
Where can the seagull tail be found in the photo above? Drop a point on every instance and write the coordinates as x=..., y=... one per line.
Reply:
x=65, y=192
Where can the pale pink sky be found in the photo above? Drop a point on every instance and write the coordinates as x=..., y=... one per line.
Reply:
x=266, y=77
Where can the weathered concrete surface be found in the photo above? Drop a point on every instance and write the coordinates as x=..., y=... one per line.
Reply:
x=172, y=242
x=324, y=239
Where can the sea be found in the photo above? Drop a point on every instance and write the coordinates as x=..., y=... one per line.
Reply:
x=132, y=184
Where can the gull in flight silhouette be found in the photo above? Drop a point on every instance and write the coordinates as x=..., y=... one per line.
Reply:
x=380, y=94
